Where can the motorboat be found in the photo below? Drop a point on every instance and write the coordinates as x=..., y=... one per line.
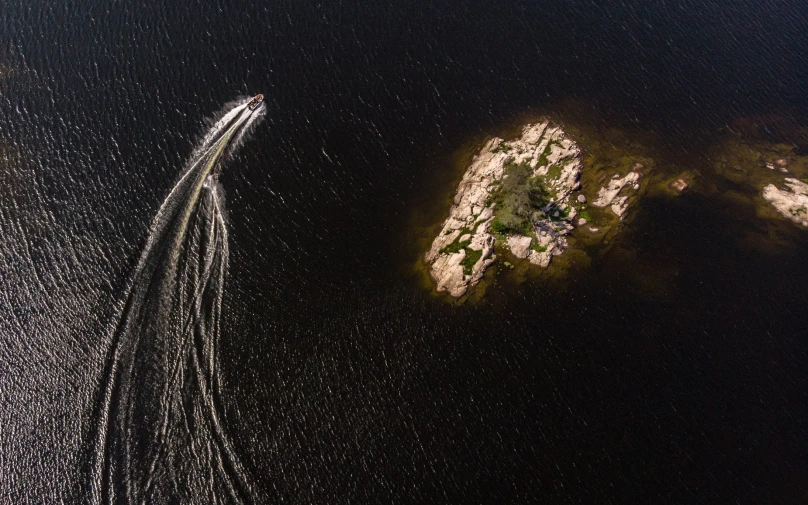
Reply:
x=255, y=102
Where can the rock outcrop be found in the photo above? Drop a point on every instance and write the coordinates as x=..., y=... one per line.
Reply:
x=791, y=203
x=467, y=226
x=610, y=195
x=464, y=248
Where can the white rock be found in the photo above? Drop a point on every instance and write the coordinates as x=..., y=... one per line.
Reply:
x=519, y=245
x=581, y=199
x=791, y=203
x=607, y=195
x=620, y=205
x=485, y=214
x=581, y=222
x=449, y=274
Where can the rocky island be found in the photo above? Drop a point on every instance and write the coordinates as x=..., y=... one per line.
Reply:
x=523, y=197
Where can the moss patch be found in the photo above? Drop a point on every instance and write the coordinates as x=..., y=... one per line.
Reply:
x=534, y=246
x=554, y=172
x=457, y=245
x=547, y=150
x=472, y=256
x=502, y=147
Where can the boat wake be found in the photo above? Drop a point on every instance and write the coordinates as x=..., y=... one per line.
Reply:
x=159, y=436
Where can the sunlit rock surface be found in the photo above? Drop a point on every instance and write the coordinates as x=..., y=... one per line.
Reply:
x=610, y=195
x=792, y=202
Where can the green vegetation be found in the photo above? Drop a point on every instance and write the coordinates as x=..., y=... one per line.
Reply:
x=471, y=255
x=457, y=245
x=586, y=215
x=500, y=228
x=534, y=245
x=547, y=150
x=502, y=147
x=471, y=258
x=557, y=214
x=805, y=180
x=519, y=200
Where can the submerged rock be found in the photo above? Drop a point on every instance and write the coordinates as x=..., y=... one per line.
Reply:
x=679, y=185
x=749, y=154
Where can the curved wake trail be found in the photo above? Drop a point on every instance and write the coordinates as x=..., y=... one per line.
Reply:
x=159, y=435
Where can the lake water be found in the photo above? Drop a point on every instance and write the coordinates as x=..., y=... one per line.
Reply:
x=672, y=369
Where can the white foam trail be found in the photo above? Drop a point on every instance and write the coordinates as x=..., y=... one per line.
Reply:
x=163, y=361
x=219, y=125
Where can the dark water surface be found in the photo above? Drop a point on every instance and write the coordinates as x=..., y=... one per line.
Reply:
x=672, y=370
